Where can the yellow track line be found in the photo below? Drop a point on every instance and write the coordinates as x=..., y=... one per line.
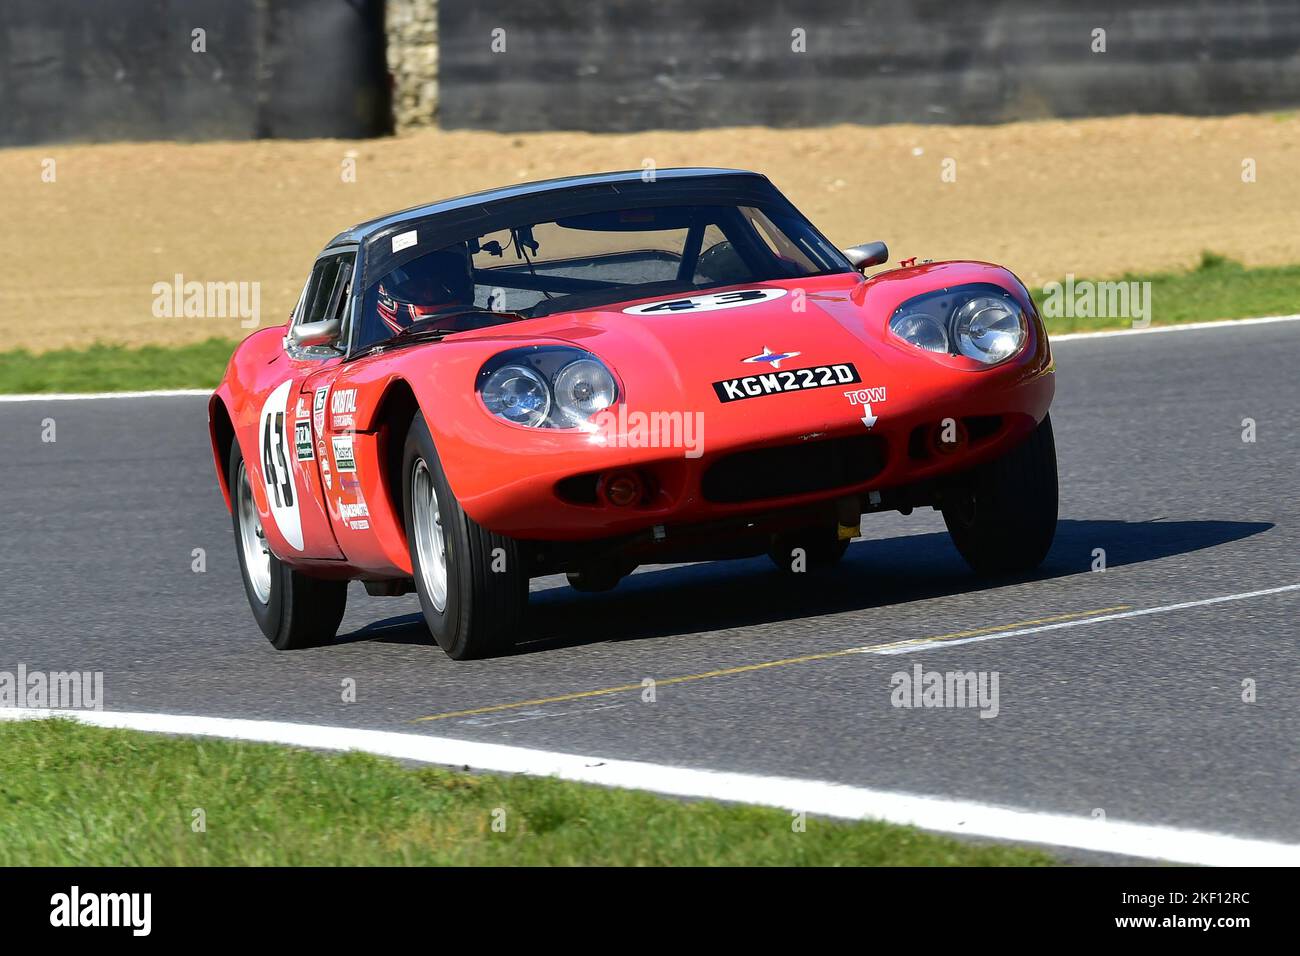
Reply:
x=747, y=668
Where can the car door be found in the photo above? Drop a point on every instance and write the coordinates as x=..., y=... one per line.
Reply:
x=295, y=458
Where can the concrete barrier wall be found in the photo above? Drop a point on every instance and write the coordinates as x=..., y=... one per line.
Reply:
x=87, y=70
x=631, y=64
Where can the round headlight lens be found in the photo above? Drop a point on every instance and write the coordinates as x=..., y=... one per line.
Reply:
x=921, y=330
x=583, y=388
x=988, y=329
x=517, y=394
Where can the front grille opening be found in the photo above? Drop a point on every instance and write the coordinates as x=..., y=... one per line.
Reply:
x=801, y=469
x=980, y=427
x=578, y=490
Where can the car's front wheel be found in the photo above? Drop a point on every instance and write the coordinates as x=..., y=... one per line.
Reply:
x=472, y=583
x=1002, y=515
x=292, y=609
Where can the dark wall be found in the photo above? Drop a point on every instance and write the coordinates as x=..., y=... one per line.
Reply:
x=637, y=64
x=85, y=70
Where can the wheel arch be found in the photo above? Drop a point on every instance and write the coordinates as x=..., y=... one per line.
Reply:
x=393, y=415
x=221, y=431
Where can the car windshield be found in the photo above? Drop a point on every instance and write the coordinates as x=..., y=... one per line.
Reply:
x=592, y=259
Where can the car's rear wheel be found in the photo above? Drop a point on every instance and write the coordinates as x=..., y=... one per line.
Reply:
x=1002, y=516
x=472, y=583
x=292, y=609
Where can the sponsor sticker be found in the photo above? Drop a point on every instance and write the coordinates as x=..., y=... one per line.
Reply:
x=786, y=380
x=356, y=515
x=302, y=439
x=325, y=472
x=343, y=457
x=350, y=511
x=343, y=406
x=318, y=408
x=710, y=302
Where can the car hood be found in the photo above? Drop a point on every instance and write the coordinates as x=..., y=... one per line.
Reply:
x=670, y=359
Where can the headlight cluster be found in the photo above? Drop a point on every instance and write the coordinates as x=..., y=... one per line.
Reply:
x=980, y=321
x=546, y=386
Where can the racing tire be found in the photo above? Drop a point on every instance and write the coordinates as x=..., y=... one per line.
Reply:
x=294, y=610
x=820, y=546
x=1003, y=519
x=472, y=583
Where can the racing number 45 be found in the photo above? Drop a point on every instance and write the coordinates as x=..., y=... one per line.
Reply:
x=278, y=479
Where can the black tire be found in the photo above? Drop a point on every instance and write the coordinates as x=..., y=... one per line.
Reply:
x=300, y=611
x=1003, y=517
x=821, y=549
x=486, y=588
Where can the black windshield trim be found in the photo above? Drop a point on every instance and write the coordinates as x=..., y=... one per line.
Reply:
x=442, y=229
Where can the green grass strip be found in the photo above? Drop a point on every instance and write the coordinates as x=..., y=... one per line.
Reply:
x=115, y=368
x=77, y=795
x=1218, y=288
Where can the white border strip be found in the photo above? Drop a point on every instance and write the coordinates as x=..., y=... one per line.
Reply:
x=1067, y=337
x=1184, y=327
x=922, y=646
x=89, y=396
x=811, y=796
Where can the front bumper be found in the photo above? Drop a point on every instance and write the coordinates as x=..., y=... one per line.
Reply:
x=756, y=464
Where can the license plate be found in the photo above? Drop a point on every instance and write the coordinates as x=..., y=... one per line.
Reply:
x=786, y=380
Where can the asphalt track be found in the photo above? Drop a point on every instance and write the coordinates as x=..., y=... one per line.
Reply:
x=1141, y=716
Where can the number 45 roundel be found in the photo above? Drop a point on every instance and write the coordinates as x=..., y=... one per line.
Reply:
x=274, y=435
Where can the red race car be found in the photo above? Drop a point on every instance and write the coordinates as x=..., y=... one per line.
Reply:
x=588, y=374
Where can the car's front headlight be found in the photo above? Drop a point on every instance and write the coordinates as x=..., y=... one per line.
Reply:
x=546, y=386
x=981, y=321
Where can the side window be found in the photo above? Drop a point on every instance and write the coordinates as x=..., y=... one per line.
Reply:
x=325, y=296
x=328, y=288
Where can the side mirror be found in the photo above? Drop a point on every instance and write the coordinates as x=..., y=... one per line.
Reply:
x=867, y=254
x=315, y=333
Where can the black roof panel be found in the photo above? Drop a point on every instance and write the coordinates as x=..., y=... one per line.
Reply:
x=361, y=231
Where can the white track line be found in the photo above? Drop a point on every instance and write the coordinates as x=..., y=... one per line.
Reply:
x=1067, y=337
x=1184, y=327
x=811, y=796
x=94, y=396
x=916, y=648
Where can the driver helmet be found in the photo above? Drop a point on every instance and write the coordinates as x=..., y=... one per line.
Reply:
x=425, y=286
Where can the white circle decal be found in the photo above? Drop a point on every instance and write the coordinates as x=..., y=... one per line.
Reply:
x=711, y=302
x=274, y=438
